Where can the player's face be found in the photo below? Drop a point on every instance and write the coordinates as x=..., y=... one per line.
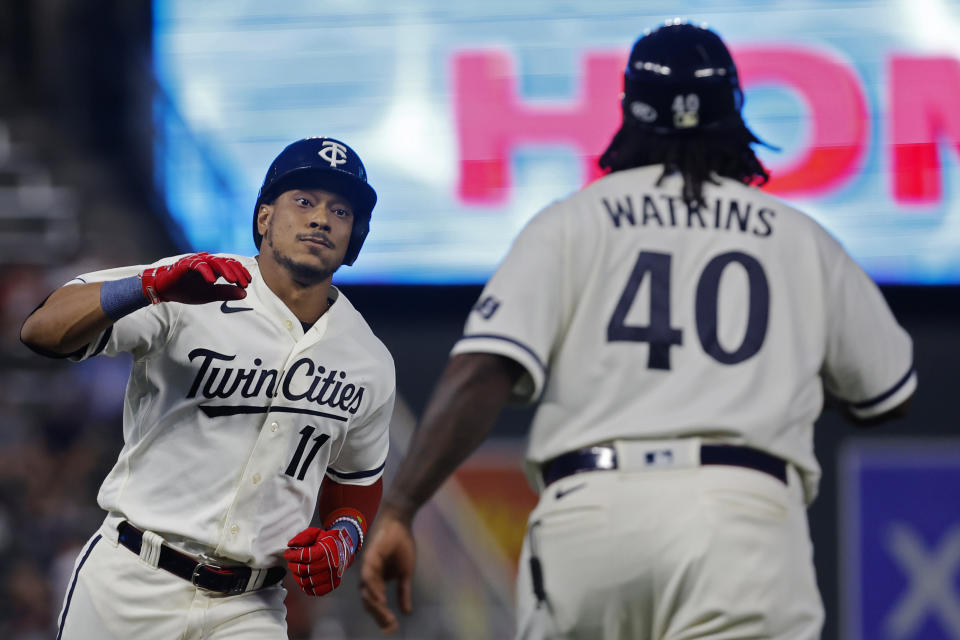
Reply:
x=306, y=231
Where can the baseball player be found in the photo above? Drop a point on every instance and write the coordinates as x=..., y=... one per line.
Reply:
x=678, y=328
x=255, y=385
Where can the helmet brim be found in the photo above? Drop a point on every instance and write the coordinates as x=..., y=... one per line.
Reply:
x=361, y=195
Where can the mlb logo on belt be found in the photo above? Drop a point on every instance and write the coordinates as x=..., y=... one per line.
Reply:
x=658, y=458
x=900, y=539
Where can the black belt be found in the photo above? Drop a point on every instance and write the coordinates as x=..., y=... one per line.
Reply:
x=206, y=575
x=605, y=458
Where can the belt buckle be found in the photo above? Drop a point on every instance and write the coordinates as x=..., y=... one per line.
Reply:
x=206, y=561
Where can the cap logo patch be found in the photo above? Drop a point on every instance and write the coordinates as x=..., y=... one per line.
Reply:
x=686, y=111
x=333, y=152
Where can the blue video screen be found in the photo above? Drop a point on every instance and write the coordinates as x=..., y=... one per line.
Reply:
x=471, y=117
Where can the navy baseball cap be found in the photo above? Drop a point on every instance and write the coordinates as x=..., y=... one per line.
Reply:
x=323, y=163
x=681, y=77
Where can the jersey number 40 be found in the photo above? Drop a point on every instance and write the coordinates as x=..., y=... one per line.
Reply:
x=661, y=336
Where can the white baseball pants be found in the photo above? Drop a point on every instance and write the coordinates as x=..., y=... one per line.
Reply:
x=113, y=594
x=716, y=552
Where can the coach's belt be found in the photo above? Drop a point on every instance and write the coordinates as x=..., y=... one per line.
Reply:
x=205, y=575
x=604, y=457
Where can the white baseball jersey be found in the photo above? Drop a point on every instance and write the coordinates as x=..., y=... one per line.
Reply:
x=233, y=416
x=635, y=316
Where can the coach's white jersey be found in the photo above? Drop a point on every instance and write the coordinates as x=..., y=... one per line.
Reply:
x=233, y=415
x=636, y=317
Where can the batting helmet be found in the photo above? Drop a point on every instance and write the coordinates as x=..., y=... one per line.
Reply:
x=323, y=163
x=681, y=78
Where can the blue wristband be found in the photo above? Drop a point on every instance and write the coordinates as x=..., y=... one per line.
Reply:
x=121, y=297
x=352, y=529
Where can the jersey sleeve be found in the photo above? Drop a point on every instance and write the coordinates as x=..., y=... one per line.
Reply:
x=364, y=454
x=524, y=305
x=138, y=333
x=869, y=357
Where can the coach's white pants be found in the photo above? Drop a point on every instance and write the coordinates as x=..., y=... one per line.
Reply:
x=114, y=595
x=712, y=552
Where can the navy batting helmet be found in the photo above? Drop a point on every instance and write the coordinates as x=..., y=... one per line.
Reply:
x=681, y=78
x=323, y=163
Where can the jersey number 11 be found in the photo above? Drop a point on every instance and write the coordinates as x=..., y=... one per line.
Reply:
x=318, y=442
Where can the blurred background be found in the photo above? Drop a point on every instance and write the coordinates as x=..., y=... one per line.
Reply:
x=132, y=130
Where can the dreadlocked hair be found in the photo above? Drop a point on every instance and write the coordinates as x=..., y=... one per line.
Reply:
x=698, y=157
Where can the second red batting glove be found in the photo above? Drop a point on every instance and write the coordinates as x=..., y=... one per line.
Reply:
x=191, y=280
x=318, y=557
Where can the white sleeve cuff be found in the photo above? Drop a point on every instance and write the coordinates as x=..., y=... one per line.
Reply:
x=530, y=386
x=887, y=400
x=360, y=478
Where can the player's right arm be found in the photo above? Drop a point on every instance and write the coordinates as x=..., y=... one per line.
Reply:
x=69, y=319
x=461, y=412
x=501, y=357
x=76, y=313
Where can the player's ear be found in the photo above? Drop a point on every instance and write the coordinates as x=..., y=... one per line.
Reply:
x=263, y=218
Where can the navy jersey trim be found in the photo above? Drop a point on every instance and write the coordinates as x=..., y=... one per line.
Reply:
x=356, y=475
x=73, y=584
x=533, y=354
x=866, y=404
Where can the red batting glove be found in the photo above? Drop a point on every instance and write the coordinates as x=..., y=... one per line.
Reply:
x=191, y=280
x=317, y=558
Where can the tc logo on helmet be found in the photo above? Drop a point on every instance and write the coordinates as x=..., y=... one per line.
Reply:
x=333, y=152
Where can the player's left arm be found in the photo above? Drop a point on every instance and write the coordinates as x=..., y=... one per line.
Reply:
x=462, y=411
x=364, y=499
x=868, y=371
x=502, y=357
x=349, y=497
x=318, y=557
x=832, y=402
